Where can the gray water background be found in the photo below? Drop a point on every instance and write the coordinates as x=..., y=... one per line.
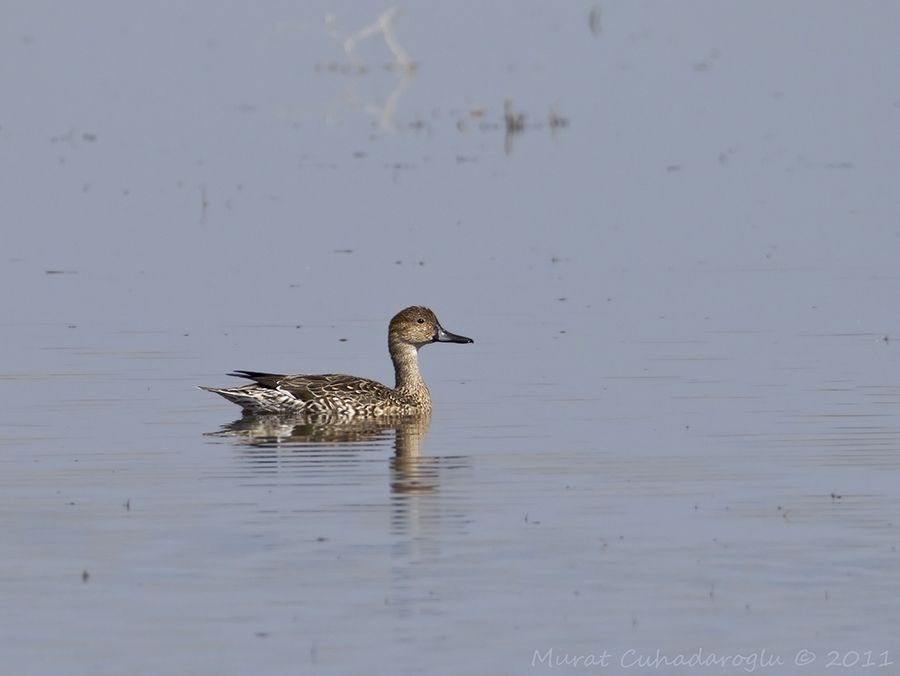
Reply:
x=678, y=428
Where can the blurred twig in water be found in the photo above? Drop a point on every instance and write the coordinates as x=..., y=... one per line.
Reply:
x=514, y=123
x=401, y=63
x=382, y=25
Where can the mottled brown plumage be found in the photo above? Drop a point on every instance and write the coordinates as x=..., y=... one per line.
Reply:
x=349, y=396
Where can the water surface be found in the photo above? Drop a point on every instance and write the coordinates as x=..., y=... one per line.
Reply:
x=671, y=230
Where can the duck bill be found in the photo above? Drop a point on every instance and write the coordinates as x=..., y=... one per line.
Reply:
x=444, y=336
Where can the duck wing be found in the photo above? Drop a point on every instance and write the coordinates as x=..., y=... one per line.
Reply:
x=328, y=385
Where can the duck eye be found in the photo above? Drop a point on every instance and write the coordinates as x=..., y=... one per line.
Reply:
x=420, y=320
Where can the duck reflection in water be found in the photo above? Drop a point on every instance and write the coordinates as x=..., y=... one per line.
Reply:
x=275, y=442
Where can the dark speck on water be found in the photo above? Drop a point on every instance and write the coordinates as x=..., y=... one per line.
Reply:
x=557, y=121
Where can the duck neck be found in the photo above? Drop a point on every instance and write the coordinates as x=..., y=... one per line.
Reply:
x=408, y=380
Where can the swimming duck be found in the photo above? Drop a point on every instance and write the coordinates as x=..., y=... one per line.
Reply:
x=335, y=394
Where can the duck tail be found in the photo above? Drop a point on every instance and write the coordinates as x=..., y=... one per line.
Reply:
x=253, y=399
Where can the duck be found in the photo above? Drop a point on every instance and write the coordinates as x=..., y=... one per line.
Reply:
x=335, y=395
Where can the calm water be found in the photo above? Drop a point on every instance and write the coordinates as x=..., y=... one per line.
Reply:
x=671, y=229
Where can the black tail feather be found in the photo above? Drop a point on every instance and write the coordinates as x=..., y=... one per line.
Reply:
x=252, y=375
x=264, y=379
